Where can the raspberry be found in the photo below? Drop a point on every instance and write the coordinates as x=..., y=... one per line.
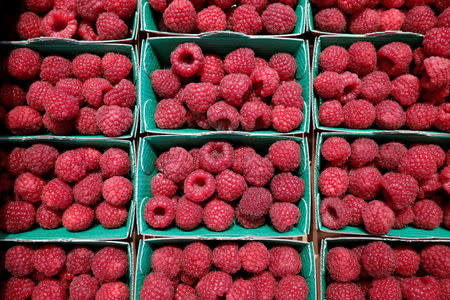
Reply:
x=114, y=120
x=442, y=121
x=18, y=288
x=420, y=287
x=287, y=187
x=349, y=86
x=61, y=106
x=292, y=287
x=406, y=89
x=284, y=261
x=389, y=115
x=391, y=20
x=211, y=18
x=226, y=257
x=435, y=70
x=94, y=89
x=40, y=158
x=240, y=154
x=285, y=155
x=28, y=187
x=70, y=166
x=49, y=289
x=178, y=164
x=180, y=16
x=265, y=81
x=235, y=88
x=36, y=94
x=212, y=70
x=434, y=260
x=117, y=190
x=12, y=95
x=229, y=185
x=385, y=287
x=72, y=87
x=255, y=257
x=359, y=114
x=125, y=9
x=59, y=23
x=248, y=223
x=241, y=60
x=257, y=170
x=419, y=19
x=378, y=218
x=170, y=114
x=330, y=20
x=156, y=286
x=39, y=6
x=364, y=21
x=342, y=264
x=165, y=83
x=49, y=260
x=394, y=58
x=57, y=127
x=199, y=186
x=196, y=260
x=57, y=194
x=184, y=291
x=399, y=190
x=286, y=119
x=167, y=260
x=54, y=68
x=188, y=214
x=111, y=216
x=427, y=214
x=436, y=41
x=241, y=289
x=408, y=261
x=109, y=264
x=333, y=213
x=116, y=289
x=289, y=94
x=159, y=211
x=114, y=162
x=246, y=19
x=216, y=156
x=336, y=150
x=351, y=7
x=163, y=186
x=418, y=162
x=333, y=182
x=392, y=3
x=199, y=96
x=331, y=113
x=389, y=155
x=17, y=216
x=111, y=27
x=334, y=59
x=255, y=202
x=328, y=85
x=78, y=217
x=362, y=58
x=284, y=64
x=86, y=31
x=265, y=285
x=122, y=94
x=355, y=206
x=79, y=260
x=255, y=115
x=279, y=18
x=89, y=10
x=86, y=66
x=338, y=291
x=222, y=116
x=375, y=87
x=83, y=287
x=284, y=216
x=15, y=161
x=378, y=259
x=187, y=59
x=18, y=260
x=214, y=284
x=23, y=63
x=363, y=151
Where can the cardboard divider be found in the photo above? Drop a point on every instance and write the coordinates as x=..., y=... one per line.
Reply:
x=146, y=248
x=151, y=147
x=408, y=232
x=156, y=54
x=70, y=49
x=97, y=231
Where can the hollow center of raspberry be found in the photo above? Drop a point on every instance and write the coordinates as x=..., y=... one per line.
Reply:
x=258, y=86
x=187, y=58
x=349, y=89
x=332, y=212
x=223, y=124
x=160, y=212
x=217, y=153
x=259, y=122
x=386, y=62
x=199, y=183
x=59, y=24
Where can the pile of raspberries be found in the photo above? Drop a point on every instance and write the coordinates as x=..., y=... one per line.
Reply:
x=39, y=185
x=216, y=184
x=49, y=272
x=249, y=17
x=378, y=271
x=202, y=91
x=414, y=183
x=390, y=88
x=76, y=19
x=199, y=272
x=89, y=94
x=364, y=16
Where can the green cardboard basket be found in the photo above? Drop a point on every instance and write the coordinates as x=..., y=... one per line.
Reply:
x=151, y=147
x=149, y=22
x=345, y=41
x=146, y=248
x=70, y=49
x=97, y=232
x=352, y=242
x=408, y=232
x=96, y=245
x=156, y=55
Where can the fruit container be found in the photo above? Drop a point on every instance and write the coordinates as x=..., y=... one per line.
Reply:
x=12, y=11
x=128, y=279
x=156, y=54
x=328, y=243
x=408, y=232
x=97, y=231
x=149, y=22
x=151, y=147
x=146, y=248
x=70, y=49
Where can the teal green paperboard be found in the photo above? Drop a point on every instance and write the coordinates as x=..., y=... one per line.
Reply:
x=345, y=41
x=352, y=242
x=156, y=55
x=146, y=248
x=407, y=232
x=70, y=49
x=151, y=147
x=96, y=232
x=149, y=24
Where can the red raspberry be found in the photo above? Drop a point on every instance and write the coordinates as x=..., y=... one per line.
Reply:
x=427, y=214
x=292, y=287
x=394, y=58
x=389, y=155
x=359, y=114
x=330, y=20
x=399, y=190
x=236, y=89
x=351, y=6
x=363, y=151
x=240, y=154
x=255, y=257
x=331, y=113
x=177, y=164
x=328, y=85
x=287, y=187
x=61, y=106
x=229, y=185
x=40, y=158
x=187, y=59
x=117, y=190
x=419, y=57
x=159, y=211
x=436, y=41
x=85, y=66
x=111, y=216
x=257, y=170
x=265, y=285
x=406, y=89
x=284, y=216
x=163, y=186
x=355, y=206
x=199, y=96
x=122, y=94
x=417, y=287
x=391, y=20
x=165, y=83
x=336, y=150
x=28, y=187
x=59, y=23
x=211, y=18
x=392, y=3
x=419, y=19
x=29, y=26
x=83, y=287
x=241, y=60
x=167, y=260
x=156, y=286
x=408, y=261
x=49, y=260
x=385, y=287
x=436, y=69
x=170, y=114
x=334, y=59
x=378, y=259
x=389, y=115
x=246, y=19
x=188, y=214
x=339, y=291
x=375, y=87
x=364, y=21
x=79, y=260
x=111, y=27
x=212, y=70
x=213, y=285
x=180, y=16
x=18, y=288
x=216, y=156
x=226, y=257
x=91, y=157
x=114, y=162
x=70, y=166
x=125, y=9
x=323, y=3
x=49, y=289
x=114, y=120
x=39, y=6
x=285, y=155
x=15, y=164
x=115, y=289
x=265, y=80
x=17, y=216
x=378, y=218
x=89, y=10
x=255, y=202
x=255, y=115
x=333, y=213
x=54, y=68
x=116, y=67
x=94, y=89
x=18, y=260
x=199, y=186
x=222, y=116
x=279, y=18
x=86, y=31
x=342, y=264
x=442, y=121
x=37, y=93
x=349, y=86
x=196, y=260
x=24, y=63
x=78, y=217
x=435, y=260
x=57, y=194
x=418, y=162
x=258, y=4
x=241, y=289
x=284, y=64
x=362, y=58
x=72, y=87
x=333, y=182
x=12, y=95
x=286, y=119
x=289, y=94
x=109, y=264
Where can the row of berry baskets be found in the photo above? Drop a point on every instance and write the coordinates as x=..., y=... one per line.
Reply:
x=392, y=83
